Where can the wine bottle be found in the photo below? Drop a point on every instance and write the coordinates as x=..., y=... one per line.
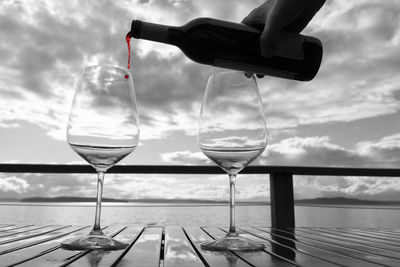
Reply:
x=237, y=46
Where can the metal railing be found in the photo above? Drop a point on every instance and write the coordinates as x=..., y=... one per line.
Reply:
x=281, y=179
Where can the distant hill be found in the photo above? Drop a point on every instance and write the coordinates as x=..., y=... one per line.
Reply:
x=343, y=201
x=9, y=199
x=69, y=199
x=92, y=199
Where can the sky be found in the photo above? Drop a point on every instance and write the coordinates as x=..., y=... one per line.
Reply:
x=347, y=116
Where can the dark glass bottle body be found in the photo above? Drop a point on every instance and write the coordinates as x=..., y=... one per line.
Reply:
x=237, y=46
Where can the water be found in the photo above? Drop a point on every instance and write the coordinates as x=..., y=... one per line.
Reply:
x=195, y=215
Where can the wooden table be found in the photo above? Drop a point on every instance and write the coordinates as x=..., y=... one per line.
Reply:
x=170, y=246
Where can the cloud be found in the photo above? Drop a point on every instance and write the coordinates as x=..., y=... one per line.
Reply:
x=311, y=151
x=320, y=151
x=385, y=151
x=13, y=184
x=370, y=188
x=41, y=63
x=8, y=125
x=314, y=151
x=358, y=77
x=185, y=157
x=185, y=186
x=169, y=93
x=45, y=47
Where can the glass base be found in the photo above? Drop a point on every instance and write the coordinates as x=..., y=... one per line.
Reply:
x=235, y=243
x=94, y=242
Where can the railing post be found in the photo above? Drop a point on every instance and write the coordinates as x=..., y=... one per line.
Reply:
x=282, y=203
x=282, y=213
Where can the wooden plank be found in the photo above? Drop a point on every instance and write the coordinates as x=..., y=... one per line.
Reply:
x=391, y=230
x=58, y=256
x=146, y=250
x=382, y=232
x=31, y=234
x=28, y=253
x=382, y=239
x=256, y=258
x=13, y=227
x=24, y=243
x=343, y=252
x=19, y=231
x=312, y=247
x=101, y=258
x=282, y=203
x=5, y=225
x=197, y=236
x=302, y=255
x=390, y=251
x=331, y=253
x=359, y=237
x=177, y=249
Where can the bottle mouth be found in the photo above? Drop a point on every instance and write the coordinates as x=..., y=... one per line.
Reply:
x=135, y=29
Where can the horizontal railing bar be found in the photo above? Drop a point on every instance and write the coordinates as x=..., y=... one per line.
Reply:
x=196, y=169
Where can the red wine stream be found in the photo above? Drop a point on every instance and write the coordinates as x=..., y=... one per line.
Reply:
x=128, y=42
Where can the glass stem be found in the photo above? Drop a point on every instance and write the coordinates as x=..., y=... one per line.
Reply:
x=232, y=229
x=100, y=181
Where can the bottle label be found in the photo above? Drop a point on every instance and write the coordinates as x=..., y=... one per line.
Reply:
x=290, y=44
x=253, y=69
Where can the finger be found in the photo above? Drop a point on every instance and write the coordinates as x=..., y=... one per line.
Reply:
x=256, y=18
x=282, y=12
x=269, y=41
x=305, y=17
x=248, y=74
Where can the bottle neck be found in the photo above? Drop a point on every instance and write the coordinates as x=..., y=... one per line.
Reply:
x=151, y=31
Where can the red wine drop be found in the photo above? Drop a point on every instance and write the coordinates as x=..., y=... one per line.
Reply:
x=128, y=42
x=127, y=76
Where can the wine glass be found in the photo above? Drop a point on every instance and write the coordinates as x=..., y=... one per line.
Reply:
x=103, y=128
x=232, y=133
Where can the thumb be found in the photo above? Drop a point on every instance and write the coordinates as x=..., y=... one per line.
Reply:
x=269, y=40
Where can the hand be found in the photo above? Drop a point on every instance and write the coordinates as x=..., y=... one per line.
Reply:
x=275, y=16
